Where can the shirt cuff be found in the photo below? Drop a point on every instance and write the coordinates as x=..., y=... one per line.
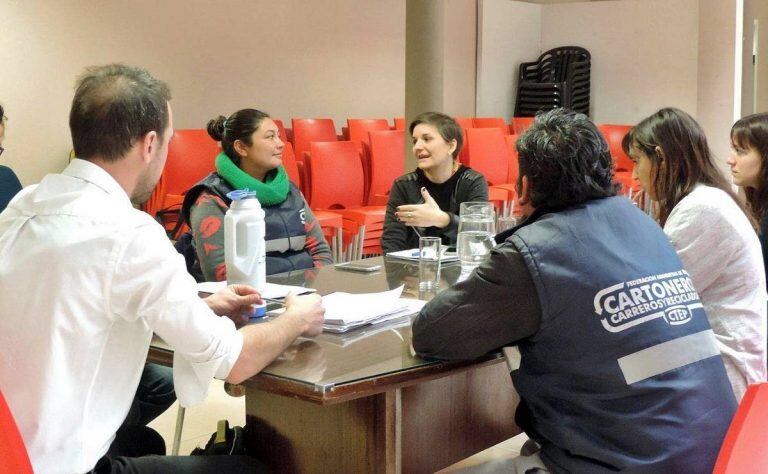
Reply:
x=192, y=379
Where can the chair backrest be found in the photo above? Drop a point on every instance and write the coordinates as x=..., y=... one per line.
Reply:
x=336, y=175
x=359, y=128
x=614, y=134
x=399, y=123
x=306, y=131
x=745, y=448
x=13, y=454
x=387, y=160
x=490, y=122
x=9, y=186
x=464, y=123
x=488, y=154
x=191, y=156
x=521, y=124
x=281, y=130
x=289, y=163
x=514, y=164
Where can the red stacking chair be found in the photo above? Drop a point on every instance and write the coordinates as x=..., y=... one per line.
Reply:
x=399, y=123
x=465, y=123
x=614, y=134
x=291, y=166
x=359, y=128
x=336, y=184
x=514, y=165
x=745, y=448
x=191, y=157
x=332, y=225
x=386, y=163
x=521, y=124
x=281, y=130
x=13, y=454
x=491, y=122
x=489, y=155
x=306, y=131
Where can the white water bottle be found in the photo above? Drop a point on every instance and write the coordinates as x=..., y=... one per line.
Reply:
x=244, y=251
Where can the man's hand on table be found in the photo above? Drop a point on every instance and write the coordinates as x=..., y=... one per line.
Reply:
x=234, y=301
x=309, y=310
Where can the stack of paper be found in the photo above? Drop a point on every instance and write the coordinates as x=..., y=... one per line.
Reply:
x=345, y=311
x=271, y=291
x=413, y=255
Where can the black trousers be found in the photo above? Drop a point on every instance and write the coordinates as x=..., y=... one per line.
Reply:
x=136, y=463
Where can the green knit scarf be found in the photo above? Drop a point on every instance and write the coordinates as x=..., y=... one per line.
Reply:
x=273, y=191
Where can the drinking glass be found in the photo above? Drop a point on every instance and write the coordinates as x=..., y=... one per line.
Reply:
x=429, y=263
x=505, y=222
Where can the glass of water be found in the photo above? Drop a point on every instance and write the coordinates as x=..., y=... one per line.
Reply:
x=429, y=263
x=473, y=247
x=477, y=216
x=477, y=227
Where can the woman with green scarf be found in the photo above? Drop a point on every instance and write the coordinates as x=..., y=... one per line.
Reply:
x=252, y=159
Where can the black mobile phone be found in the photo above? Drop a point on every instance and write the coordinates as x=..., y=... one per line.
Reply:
x=358, y=267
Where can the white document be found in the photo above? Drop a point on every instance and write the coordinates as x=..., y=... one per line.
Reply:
x=407, y=306
x=413, y=255
x=348, y=308
x=272, y=290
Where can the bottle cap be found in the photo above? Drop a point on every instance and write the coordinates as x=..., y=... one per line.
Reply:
x=240, y=194
x=259, y=311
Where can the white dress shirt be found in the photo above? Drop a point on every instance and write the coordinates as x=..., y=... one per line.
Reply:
x=721, y=251
x=84, y=281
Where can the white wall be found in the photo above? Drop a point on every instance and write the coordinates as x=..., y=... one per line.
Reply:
x=459, y=57
x=755, y=9
x=292, y=58
x=644, y=53
x=509, y=33
x=719, y=101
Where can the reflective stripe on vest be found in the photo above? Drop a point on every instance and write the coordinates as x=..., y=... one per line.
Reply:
x=285, y=244
x=669, y=355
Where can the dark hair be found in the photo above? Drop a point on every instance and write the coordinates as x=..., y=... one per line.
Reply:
x=238, y=126
x=446, y=126
x=684, y=161
x=115, y=105
x=752, y=132
x=2, y=114
x=566, y=160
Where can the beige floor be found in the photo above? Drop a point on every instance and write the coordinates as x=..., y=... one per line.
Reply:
x=200, y=422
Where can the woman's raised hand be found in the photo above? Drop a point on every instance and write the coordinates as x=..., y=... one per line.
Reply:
x=428, y=214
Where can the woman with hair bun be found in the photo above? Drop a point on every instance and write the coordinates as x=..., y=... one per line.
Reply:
x=708, y=226
x=252, y=158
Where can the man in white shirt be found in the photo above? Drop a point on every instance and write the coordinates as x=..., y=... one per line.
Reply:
x=86, y=279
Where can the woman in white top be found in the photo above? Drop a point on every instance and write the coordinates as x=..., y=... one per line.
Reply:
x=712, y=234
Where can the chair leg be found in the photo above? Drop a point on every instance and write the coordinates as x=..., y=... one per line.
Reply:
x=177, y=433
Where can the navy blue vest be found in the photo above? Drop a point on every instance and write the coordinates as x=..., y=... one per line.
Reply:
x=624, y=372
x=285, y=232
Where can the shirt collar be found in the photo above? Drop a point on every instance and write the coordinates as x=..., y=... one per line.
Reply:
x=96, y=175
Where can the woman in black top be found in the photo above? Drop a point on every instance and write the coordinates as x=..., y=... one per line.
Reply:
x=428, y=198
x=749, y=167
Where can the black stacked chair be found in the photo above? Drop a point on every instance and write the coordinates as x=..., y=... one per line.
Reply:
x=559, y=78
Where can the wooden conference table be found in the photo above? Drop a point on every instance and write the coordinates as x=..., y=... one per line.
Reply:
x=362, y=402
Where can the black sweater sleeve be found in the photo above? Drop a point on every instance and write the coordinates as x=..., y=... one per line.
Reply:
x=496, y=306
x=395, y=234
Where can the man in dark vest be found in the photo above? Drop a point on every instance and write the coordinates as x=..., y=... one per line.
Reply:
x=619, y=369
